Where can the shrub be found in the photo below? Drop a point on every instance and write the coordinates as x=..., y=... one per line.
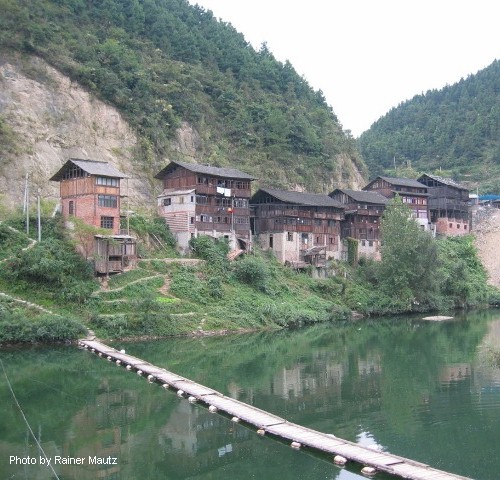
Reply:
x=11, y=241
x=55, y=266
x=50, y=262
x=143, y=225
x=15, y=328
x=253, y=271
x=214, y=252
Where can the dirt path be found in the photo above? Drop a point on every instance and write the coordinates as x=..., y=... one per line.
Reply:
x=487, y=232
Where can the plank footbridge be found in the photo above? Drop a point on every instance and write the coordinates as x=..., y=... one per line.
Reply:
x=372, y=461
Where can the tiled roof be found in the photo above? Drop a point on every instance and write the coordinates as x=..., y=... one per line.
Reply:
x=207, y=170
x=373, y=198
x=301, y=198
x=403, y=182
x=92, y=167
x=445, y=181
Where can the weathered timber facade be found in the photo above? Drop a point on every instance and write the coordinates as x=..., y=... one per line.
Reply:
x=300, y=228
x=448, y=205
x=362, y=218
x=203, y=200
x=413, y=194
x=90, y=190
x=114, y=254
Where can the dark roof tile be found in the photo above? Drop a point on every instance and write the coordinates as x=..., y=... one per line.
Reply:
x=92, y=167
x=301, y=198
x=207, y=170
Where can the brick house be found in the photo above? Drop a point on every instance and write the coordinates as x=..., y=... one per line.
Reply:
x=413, y=194
x=362, y=218
x=448, y=205
x=90, y=190
x=300, y=228
x=204, y=200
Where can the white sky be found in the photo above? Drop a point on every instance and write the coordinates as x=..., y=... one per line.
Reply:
x=367, y=56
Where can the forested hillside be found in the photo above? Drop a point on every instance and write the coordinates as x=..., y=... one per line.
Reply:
x=163, y=63
x=456, y=129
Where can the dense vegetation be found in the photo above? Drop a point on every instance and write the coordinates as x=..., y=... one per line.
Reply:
x=163, y=62
x=456, y=129
x=172, y=296
x=418, y=272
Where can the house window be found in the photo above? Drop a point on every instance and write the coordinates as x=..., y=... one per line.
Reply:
x=204, y=218
x=181, y=199
x=191, y=220
x=202, y=199
x=107, y=222
x=458, y=225
x=450, y=225
x=71, y=207
x=192, y=198
x=271, y=241
x=242, y=185
x=73, y=172
x=108, y=181
x=167, y=202
x=110, y=201
x=240, y=202
x=203, y=180
x=465, y=227
x=222, y=202
x=289, y=236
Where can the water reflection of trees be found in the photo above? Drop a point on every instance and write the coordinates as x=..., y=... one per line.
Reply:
x=393, y=381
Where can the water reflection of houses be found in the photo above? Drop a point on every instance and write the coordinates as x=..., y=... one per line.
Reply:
x=325, y=385
x=98, y=430
x=297, y=381
x=181, y=444
x=454, y=372
x=187, y=441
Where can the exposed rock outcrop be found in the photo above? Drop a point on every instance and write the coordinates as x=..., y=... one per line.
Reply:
x=486, y=229
x=53, y=119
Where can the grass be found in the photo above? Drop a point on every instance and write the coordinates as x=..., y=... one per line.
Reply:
x=161, y=298
x=123, y=279
x=11, y=242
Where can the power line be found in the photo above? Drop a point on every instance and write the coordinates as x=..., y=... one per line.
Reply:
x=26, y=421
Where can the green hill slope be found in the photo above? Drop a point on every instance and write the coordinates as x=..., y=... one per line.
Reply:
x=456, y=128
x=165, y=62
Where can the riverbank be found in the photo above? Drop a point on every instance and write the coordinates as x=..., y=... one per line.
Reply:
x=166, y=297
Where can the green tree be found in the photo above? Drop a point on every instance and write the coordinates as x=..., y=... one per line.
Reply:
x=463, y=276
x=409, y=257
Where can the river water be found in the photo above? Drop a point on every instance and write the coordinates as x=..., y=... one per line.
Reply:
x=423, y=390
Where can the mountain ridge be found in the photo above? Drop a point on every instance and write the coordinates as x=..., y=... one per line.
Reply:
x=190, y=88
x=455, y=129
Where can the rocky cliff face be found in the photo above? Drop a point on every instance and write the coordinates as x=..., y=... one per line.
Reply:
x=50, y=119
x=45, y=118
x=486, y=228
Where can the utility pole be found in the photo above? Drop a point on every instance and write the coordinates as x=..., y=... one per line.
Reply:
x=39, y=223
x=128, y=209
x=26, y=206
